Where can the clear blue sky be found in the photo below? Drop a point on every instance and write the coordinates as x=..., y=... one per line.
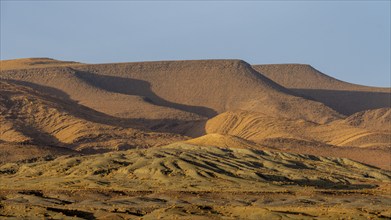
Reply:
x=349, y=40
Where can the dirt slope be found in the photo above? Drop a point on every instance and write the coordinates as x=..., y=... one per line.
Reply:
x=30, y=117
x=181, y=90
x=346, y=98
x=339, y=138
x=255, y=126
x=224, y=140
x=376, y=119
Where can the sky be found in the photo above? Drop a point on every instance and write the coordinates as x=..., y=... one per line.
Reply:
x=349, y=40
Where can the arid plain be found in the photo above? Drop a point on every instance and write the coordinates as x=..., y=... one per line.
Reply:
x=197, y=139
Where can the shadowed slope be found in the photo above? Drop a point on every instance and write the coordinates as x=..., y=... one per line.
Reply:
x=141, y=88
x=69, y=85
x=13, y=152
x=302, y=76
x=344, y=97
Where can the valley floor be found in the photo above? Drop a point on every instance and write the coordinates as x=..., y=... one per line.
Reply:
x=186, y=181
x=112, y=204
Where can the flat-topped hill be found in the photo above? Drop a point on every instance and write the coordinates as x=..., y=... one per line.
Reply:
x=344, y=97
x=184, y=90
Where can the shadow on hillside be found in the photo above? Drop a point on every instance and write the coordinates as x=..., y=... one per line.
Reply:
x=321, y=183
x=348, y=102
x=141, y=88
x=73, y=107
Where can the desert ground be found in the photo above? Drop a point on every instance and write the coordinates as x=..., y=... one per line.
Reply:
x=196, y=139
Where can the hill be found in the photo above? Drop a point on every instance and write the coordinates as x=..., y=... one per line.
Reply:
x=369, y=144
x=30, y=118
x=375, y=119
x=346, y=98
x=194, y=167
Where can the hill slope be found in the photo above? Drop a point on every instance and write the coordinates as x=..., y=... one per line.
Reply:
x=376, y=119
x=338, y=138
x=256, y=126
x=346, y=98
x=33, y=118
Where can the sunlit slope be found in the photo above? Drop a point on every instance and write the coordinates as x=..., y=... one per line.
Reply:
x=182, y=90
x=379, y=157
x=255, y=126
x=346, y=98
x=368, y=144
x=224, y=140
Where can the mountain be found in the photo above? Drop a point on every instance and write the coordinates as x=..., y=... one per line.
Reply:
x=180, y=90
x=346, y=98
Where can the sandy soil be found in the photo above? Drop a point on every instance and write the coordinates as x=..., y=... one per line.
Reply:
x=109, y=204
